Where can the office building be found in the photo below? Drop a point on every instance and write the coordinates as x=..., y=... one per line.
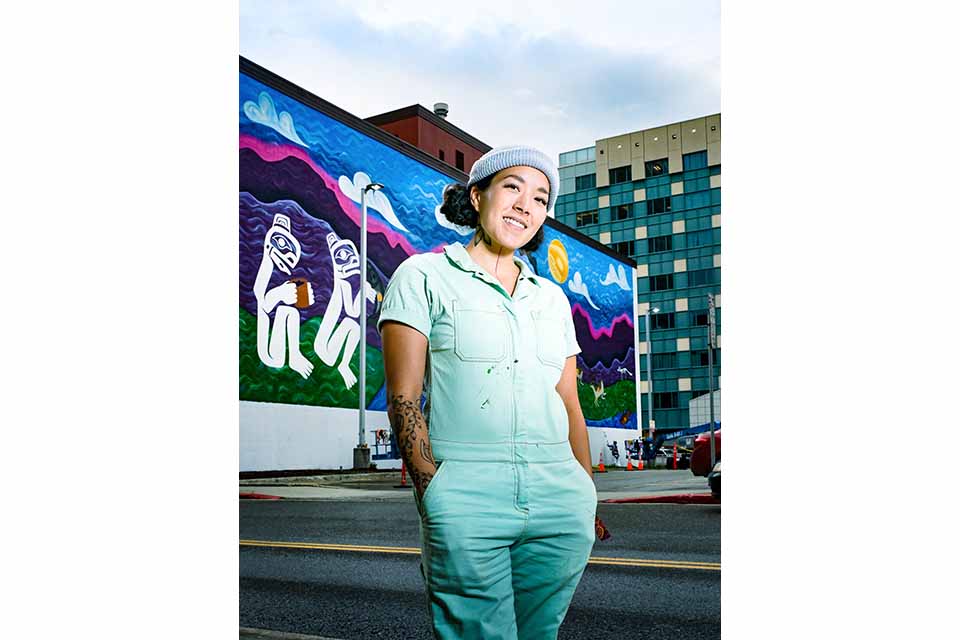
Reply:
x=654, y=196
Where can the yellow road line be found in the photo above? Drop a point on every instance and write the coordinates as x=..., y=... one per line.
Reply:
x=623, y=562
x=328, y=547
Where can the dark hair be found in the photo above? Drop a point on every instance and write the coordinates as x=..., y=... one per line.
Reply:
x=458, y=209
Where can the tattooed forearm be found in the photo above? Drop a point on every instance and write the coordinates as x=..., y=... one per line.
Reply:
x=411, y=428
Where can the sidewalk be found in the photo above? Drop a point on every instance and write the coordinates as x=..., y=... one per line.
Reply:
x=617, y=485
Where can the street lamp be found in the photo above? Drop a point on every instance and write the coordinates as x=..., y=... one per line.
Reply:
x=361, y=455
x=646, y=316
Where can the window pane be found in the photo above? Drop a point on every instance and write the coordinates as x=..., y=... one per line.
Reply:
x=656, y=167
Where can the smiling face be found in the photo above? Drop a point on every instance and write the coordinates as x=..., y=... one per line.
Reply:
x=513, y=207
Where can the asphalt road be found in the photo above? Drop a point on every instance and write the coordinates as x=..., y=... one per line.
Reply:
x=667, y=584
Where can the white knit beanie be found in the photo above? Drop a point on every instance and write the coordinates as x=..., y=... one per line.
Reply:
x=517, y=156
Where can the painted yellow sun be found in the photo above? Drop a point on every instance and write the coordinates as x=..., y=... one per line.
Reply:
x=557, y=259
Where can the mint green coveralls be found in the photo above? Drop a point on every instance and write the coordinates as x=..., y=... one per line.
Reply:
x=507, y=522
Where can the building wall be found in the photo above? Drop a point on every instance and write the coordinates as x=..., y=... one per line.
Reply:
x=407, y=129
x=433, y=139
x=681, y=244
x=302, y=167
x=700, y=409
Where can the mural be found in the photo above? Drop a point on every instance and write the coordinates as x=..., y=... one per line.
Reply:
x=301, y=175
x=601, y=297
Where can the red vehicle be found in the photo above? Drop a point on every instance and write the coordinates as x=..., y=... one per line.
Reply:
x=700, y=460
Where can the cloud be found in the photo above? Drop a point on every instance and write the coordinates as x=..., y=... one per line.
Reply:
x=618, y=277
x=556, y=78
x=376, y=200
x=577, y=285
x=265, y=113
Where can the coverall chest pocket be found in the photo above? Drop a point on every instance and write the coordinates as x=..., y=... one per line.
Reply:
x=480, y=335
x=549, y=338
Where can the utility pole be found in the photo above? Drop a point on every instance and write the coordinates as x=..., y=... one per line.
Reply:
x=711, y=345
x=361, y=453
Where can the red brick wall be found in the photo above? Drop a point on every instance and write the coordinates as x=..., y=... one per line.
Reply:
x=433, y=138
x=405, y=129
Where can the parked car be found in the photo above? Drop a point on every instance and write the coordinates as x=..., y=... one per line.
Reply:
x=714, y=480
x=700, y=460
x=683, y=457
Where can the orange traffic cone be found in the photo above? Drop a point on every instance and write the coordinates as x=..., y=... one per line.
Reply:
x=601, y=468
x=403, y=476
x=629, y=462
x=640, y=461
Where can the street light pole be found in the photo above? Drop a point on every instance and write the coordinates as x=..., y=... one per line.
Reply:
x=650, y=427
x=361, y=454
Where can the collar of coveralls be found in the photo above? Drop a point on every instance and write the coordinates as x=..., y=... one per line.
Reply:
x=458, y=255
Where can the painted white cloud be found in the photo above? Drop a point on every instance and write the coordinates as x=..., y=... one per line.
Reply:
x=618, y=277
x=265, y=113
x=578, y=286
x=376, y=200
x=443, y=222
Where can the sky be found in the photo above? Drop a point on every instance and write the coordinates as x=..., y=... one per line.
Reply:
x=555, y=75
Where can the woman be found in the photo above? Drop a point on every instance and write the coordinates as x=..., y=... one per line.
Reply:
x=502, y=477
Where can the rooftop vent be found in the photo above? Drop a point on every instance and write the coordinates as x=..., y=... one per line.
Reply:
x=441, y=109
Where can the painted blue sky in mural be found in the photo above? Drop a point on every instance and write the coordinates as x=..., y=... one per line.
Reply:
x=412, y=191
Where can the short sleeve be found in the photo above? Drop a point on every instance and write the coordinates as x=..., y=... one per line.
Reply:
x=571, y=346
x=406, y=299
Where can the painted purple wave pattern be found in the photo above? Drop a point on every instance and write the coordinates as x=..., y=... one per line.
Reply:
x=603, y=349
x=610, y=375
x=315, y=264
x=293, y=179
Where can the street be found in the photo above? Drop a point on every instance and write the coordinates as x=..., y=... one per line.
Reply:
x=349, y=568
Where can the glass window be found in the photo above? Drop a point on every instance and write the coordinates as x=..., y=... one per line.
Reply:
x=666, y=400
x=664, y=361
x=658, y=205
x=699, y=359
x=586, y=217
x=588, y=181
x=695, y=160
x=622, y=212
x=661, y=283
x=701, y=277
x=660, y=243
x=699, y=238
x=656, y=167
x=620, y=174
x=459, y=158
x=623, y=248
x=660, y=321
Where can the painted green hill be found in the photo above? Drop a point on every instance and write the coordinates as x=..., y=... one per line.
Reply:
x=324, y=387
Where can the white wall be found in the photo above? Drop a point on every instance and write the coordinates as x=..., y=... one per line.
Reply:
x=700, y=409
x=598, y=443
x=290, y=436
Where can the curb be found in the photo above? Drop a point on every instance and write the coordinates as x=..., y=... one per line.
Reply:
x=258, y=496
x=683, y=498
x=265, y=634
x=321, y=479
